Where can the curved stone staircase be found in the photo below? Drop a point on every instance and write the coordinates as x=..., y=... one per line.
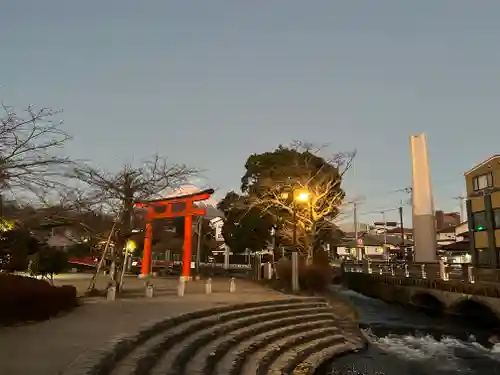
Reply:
x=289, y=336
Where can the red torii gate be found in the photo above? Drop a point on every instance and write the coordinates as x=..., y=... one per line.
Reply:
x=173, y=207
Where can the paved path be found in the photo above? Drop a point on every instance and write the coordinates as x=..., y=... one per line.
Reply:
x=47, y=348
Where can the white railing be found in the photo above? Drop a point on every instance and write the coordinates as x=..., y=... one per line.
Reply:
x=433, y=271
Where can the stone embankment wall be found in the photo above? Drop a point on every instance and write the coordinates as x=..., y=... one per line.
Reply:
x=438, y=295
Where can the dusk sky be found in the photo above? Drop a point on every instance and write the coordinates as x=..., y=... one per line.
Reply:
x=209, y=82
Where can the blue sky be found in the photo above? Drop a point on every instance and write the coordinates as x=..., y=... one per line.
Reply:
x=209, y=82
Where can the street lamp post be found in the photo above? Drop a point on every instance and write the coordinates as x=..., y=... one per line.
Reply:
x=294, y=221
x=302, y=197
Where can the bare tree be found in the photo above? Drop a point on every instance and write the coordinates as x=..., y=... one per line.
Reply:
x=30, y=143
x=116, y=192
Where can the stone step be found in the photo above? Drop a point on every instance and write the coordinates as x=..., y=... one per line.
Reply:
x=207, y=359
x=292, y=358
x=175, y=361
x=278, y=353
x=144, y=357
x=134, y=351
x=238, y=352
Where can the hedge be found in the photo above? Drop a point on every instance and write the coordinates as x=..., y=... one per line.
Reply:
x=24, y=299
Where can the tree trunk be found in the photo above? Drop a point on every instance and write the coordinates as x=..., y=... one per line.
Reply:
x=121, y=239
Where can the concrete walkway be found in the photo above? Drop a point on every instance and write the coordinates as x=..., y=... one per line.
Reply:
x=47, y=348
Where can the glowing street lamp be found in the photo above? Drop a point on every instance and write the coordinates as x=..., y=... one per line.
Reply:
x=299, y=196
x=302, y=196
x=131, y=246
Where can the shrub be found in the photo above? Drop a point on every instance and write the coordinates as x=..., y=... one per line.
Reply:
x=48, y=261
x=284, y=271
x=312, y=277
x=315, y=277
x=25, y=299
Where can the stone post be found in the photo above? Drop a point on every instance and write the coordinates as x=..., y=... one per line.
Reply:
x=181, y=287
x=443, y=272
x=149, y=289
x=367, y=267
x=423, y=272
x=111, y=291
x=232, y=285
x=208, y=286
x=470, y=274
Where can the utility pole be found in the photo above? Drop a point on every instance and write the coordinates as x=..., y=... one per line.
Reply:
x=385, y=229
x=355, y=216
x=409, y=191
x=402, y=228
x=198, y=245
x=401, y=224
x=461, y=200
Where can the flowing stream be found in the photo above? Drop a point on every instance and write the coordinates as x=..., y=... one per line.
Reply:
x=408, y=342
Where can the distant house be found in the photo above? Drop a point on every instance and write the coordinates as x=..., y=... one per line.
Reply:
x=375, y=246
x=446, y=219
x=407, y=233
x=446, y=236
x=60, y=241
x=454, y=243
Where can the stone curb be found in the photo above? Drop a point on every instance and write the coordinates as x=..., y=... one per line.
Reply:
x=102, y=360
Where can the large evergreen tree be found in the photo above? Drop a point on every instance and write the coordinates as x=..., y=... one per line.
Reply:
x=271, y=186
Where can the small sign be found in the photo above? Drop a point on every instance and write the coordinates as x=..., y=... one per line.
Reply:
x=218, y=230
x=193, y=264
x=360, y=242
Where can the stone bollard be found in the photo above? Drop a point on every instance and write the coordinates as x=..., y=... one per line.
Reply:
x=232, y=285
x=149, y=290
x=393, y=272
x=111, y=291
x=181, y=287
x=407, y=273
x=208, y=286
x=380, y=270
x=422, y=271
x=197, y=278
